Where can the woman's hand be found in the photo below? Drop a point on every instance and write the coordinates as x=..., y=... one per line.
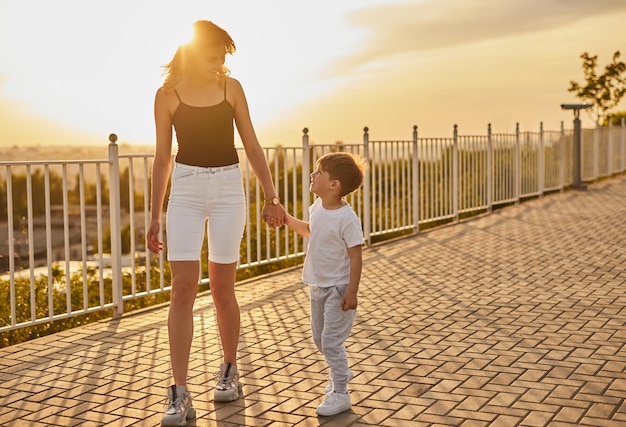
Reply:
x=274, y=215
x=152, y=237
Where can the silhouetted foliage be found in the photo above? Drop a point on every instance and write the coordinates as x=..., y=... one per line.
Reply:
x=604, y=90
x=615, y=118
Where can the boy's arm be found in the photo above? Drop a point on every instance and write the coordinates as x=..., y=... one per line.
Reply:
x=349, y=301
x=299, y=226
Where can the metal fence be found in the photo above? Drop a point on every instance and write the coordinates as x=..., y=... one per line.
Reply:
x=72, y=233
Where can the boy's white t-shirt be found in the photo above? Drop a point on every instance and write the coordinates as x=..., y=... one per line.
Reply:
x=332, y=233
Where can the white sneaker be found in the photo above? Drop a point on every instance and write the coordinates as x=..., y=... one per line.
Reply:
x=179, y=408
x=334, y=404
x=228, y=387
x=330, y=387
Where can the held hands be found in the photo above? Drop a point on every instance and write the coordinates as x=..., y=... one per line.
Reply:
x=274, y=215
x=152, y=237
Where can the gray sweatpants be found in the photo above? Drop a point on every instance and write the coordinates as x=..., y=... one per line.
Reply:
x=330, y=327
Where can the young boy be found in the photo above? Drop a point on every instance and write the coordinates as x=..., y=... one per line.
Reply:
x=332, y=267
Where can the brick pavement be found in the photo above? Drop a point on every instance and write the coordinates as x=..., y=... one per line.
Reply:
x=517, y=318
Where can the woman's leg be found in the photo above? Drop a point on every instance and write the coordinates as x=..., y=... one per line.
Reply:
x=222, y=282
x=227, y=218
x=180, y=317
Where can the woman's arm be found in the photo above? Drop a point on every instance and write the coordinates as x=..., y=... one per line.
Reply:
x=275, y=214
x=160, y=168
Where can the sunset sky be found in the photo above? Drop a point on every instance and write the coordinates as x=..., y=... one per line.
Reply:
x=73, y=71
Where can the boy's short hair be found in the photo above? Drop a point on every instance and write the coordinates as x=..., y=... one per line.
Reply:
x=347, y=168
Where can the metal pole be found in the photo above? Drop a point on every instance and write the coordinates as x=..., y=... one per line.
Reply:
x=577, y=169
x=577, y=180
x=415, y=160
x=455, y=174
x=518, y=173
x=542, y=168
x=306, y=177
x=489, y=169
x=115, y=218
x=610, y=150
x=562, y=162
x=596, y=152
x=367, y=190
x=623, y=133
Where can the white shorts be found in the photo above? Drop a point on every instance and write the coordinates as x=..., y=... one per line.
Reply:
x=199, y=194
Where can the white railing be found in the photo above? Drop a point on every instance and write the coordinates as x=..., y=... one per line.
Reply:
x=72, y=232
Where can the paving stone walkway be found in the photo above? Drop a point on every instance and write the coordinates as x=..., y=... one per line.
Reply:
x=517, y=318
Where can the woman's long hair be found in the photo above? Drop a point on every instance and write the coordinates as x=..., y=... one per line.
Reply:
x=205, y=33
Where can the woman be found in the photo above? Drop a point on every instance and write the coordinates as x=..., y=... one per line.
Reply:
x=202, y=103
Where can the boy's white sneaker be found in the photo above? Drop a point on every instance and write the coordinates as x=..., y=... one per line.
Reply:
x=334, y=404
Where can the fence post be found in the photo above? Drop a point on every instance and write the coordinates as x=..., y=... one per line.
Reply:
x=306, y=177
x=10, y=241
x=610, y=150
x=455, y=173
x=542, y=168
x=115, y=226
x=623, y=145
x=367, y=191
x=489, y=169
x=518, y=162
x=415, y=161
x=596, y=150
x=562, y=163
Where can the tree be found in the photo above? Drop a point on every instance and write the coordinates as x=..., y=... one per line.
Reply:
x=615, y=118
x=604, y=91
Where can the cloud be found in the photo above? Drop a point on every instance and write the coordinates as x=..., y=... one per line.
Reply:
x=434, y=24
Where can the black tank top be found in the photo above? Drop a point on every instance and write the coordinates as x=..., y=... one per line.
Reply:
x=205, y=135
